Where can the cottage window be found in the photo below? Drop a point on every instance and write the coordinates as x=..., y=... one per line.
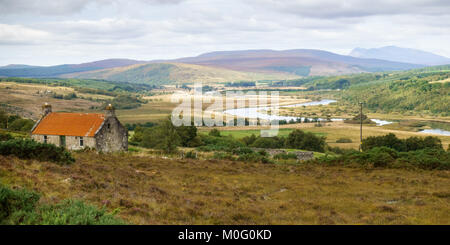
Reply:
x=81, y=141
x=45, y=139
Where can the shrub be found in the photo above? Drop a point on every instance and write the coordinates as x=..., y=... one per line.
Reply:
x=428, y=158
x=298, y=139
x=21, y=207
x=12, y=201
x=285, y=156
x=22, y=124
x=344, y=140
x=253, y=157
x=71, y=212
x=164, y=137
x=191, y=154
x=242, y=150
x=214, y=132
x=269, y=142
x=223, y=156
x=339, y=150
x=30, y=149
x=186, y=134
x=249, y=140
x=409, y=144
x=125, y=102
x=212, y=143
x=4, y=136
x=132, y=149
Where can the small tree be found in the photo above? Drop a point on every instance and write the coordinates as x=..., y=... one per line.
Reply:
x=214, y=132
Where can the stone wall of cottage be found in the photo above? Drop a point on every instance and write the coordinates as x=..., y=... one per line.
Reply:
x=51, y=139
x=112, y=136
x=72, y=142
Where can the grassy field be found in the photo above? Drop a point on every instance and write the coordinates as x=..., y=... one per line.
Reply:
x=152, y=190
x=239, y=134
x=332, y=131
x=151, y=112
x=27, y=99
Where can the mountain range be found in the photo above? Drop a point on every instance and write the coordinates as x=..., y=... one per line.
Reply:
x=406, y=55
x=226, y=66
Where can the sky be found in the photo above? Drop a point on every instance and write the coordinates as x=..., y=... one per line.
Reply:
x=50, y=32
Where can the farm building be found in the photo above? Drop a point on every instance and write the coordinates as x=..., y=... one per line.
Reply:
x=76, y=131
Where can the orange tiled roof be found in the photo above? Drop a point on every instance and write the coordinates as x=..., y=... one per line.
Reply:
x=70, y=124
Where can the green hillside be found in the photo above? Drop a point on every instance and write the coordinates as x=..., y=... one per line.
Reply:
x=420, y=90
x=169, y=73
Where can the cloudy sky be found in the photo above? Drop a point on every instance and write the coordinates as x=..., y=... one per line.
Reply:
x=49, y=32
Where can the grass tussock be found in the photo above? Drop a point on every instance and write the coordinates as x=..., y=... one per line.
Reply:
x=153, y=190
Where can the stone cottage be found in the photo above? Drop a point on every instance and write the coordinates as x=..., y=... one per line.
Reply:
x=76, y=131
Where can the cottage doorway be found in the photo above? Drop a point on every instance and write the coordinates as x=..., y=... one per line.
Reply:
x=62, y=140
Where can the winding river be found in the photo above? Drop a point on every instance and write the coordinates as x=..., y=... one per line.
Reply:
x=436, y=131
x=262, y=113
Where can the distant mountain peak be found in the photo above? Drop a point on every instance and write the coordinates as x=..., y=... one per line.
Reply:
x=399, y=54
x=16, y=66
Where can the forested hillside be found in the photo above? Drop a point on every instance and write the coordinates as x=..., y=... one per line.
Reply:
x=419, y=90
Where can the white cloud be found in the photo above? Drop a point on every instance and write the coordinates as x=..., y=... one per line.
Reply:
x=20, y=35
x=354, y=8
x=157, y=29
x=63, y=7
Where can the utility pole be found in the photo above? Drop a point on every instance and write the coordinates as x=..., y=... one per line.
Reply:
x=360, y=125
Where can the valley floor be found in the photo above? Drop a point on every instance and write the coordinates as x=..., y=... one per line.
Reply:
x=153, y=190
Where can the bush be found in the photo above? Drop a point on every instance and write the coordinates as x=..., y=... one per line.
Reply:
x=22, y=124
x=269, y=142
x=253, y=157
x=285, y=156
x=125, y=102
x=409, y=144
x=385, y=157
x=339, y=150
x=223, y=156
x=212, y=143
x=21, y=207
x=30, y=149
x=214, y=132
x=242, y=150
x=164, y=137
x=249, y=140
x=186, y=134
x=12, y=201
x=427, y=158
x=344, y=140
x=298, y=139
x=191, y=154
x=4, y=136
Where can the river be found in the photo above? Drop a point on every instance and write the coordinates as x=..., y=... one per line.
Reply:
x=261, y=113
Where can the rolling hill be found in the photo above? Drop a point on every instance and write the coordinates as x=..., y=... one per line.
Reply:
x=222, y=66
x=166, y=73
x=54, y=71
x=398, y=54
x=302, y=62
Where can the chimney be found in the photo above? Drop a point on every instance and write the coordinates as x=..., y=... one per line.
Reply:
x=46, y=109
x=110, y=111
